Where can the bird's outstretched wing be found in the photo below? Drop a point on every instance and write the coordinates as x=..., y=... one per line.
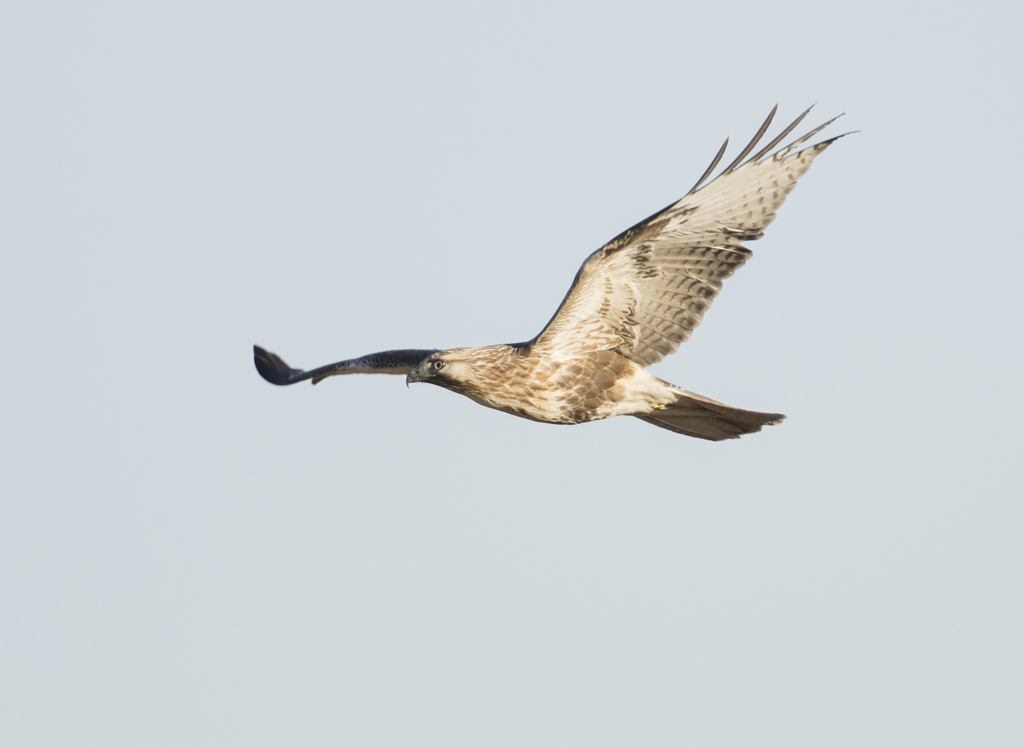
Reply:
x=273, y=368
x=645, y=291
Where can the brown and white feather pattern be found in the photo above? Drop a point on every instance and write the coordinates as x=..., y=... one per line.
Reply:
x=632, y=303
x=645, y=291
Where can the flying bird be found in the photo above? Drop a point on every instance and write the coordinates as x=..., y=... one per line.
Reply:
x=632, y=303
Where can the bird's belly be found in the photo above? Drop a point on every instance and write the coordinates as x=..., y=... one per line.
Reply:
x=529, y=406
x=576, y=398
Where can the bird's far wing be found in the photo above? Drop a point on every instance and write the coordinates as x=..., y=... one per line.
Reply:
x=645, y=291
x=272, y=368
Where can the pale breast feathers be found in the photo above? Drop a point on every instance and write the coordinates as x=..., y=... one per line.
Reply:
x=645, y=291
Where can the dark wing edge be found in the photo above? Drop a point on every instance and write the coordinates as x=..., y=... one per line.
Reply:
x=273, y=368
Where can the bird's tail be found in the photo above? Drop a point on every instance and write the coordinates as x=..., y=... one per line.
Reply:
x=704, y=418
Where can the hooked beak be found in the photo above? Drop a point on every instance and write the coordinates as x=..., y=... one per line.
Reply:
x=416, y=375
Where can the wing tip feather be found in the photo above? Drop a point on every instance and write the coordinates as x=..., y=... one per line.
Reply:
x=273, y=368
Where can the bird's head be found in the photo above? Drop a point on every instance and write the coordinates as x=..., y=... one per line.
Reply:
x=441, y=368
x=473, y=372
x=462, y=370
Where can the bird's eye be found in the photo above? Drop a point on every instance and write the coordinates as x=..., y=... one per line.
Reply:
x=438, y=365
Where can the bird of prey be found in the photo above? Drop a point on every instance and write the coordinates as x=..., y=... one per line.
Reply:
x=632, y=303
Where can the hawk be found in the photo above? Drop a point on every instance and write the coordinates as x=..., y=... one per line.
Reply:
x=632, y=303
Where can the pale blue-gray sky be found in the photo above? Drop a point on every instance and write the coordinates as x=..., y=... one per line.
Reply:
x=191, y=557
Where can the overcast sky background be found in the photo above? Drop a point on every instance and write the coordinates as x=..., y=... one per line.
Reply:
x=192, y=557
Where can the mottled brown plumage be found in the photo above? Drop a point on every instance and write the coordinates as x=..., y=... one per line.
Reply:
x=632, y=303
